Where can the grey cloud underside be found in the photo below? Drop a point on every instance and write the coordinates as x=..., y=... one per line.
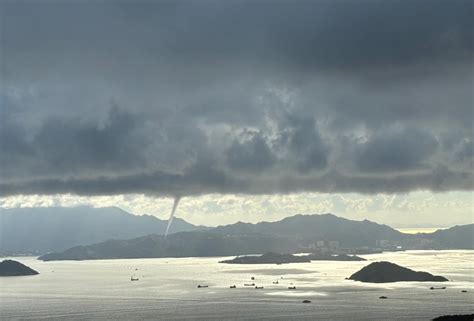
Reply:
x=190, y=97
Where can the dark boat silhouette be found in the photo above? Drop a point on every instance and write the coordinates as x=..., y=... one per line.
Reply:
x=202, y=286
x=134, y=278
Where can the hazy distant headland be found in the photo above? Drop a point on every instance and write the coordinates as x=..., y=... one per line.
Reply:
x=50, y=229
x=321, y=235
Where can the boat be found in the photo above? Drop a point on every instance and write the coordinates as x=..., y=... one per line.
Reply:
x=249, y=284
x=202, y=286
x=382, y=297
x=232, y=287
x=306, y=301
x=259, y=287
x=275, y=282
x=134, y=278
x=292, y=288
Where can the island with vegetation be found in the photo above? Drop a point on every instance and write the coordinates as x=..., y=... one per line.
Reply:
x=334, y=257
x=462, y=317
x=383, y=272
x=275, y=258
x=268, y=258
x=14, y=268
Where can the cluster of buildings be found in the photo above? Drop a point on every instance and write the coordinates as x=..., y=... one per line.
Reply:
x=334, y=247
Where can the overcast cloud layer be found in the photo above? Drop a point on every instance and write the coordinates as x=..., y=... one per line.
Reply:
x=254, y=97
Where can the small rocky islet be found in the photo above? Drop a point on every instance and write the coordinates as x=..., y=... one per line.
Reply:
x=384, y=272
x=15, y=268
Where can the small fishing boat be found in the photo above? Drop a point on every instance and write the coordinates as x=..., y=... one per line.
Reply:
x=202, y=286
x=134, y=278
x=292, y=288
x=232, y=287
x=259, y=287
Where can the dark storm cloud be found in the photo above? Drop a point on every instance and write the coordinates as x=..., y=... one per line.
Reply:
x=192, y=97
x=396, y=151
x=72, y=146
x=253, y=154
x=306, y=144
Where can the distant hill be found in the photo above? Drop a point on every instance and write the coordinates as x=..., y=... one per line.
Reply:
x=41, y=230
x=289, y=235
x=312, y=228
x=183, y=244
x=294, y=234
x=456, y=237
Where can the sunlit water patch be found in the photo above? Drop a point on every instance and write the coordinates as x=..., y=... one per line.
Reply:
x=303, y=294
x=167, y=290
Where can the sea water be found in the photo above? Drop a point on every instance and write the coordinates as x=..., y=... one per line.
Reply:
x=167, y=290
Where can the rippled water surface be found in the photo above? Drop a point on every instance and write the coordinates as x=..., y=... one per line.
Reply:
x=167, y=290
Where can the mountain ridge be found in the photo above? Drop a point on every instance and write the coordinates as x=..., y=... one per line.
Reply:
x=248, y=238
x=42, y=230
x=314, y=227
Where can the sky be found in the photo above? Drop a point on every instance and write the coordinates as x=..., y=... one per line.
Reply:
x=248, y=110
